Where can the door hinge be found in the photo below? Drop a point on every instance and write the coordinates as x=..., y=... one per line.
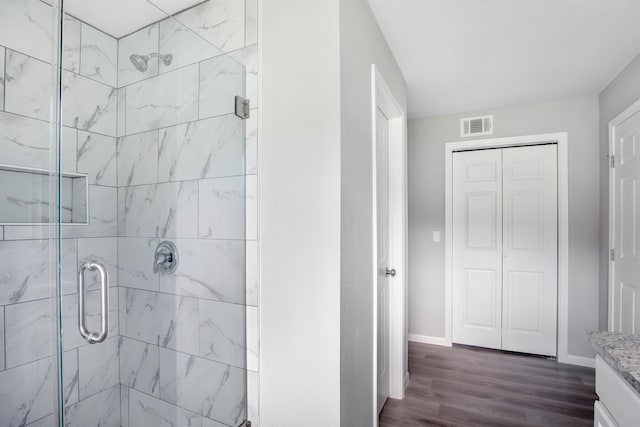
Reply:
x=613, y=161
x=613, y=254
x=245, y=423
x=243, y=107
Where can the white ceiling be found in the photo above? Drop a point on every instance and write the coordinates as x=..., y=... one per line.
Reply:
x=469, y=55
x=121, y=17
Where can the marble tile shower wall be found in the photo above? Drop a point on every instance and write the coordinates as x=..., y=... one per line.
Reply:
x=27, y=376
x=140, y=137
x=183, y=176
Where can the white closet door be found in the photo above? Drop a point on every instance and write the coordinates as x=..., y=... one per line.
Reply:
x=626, y=268
x=530, y=249
x=477, y=248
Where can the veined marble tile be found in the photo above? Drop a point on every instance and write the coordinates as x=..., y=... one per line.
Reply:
x=251, y=22
x=162, y=101
x=26, y=142
x=139, y=366
x=206, y=422
x=102, y=409
x=69, y=144
x=48, y=421
x=97, y=158
x=72, y=338
x=122, y=197
x=99, y=368
x=221, y=79
x=252, y=207
x=122, y=111
x=248, y=57
x=103, y=215
x=222, y=208
x=211, y=269
x=253, y=276
x=221, y=23
x=24, y=269
x=202, y=149
x=27, y=332
x=222, y=332
x=162, y=210
x=253, y=339
x=99, y=53
x=251, y=131
x=142, y=42
x=164, y=320
x=2, y=49
x=135, y=260
x=222, y=397
x=103, y=250
x=102, y=219
x=26, y=393
x=88, y=105
x=138, y=159
x=26, y=197
x=27, y=26
x=28, y=86
x=185, y=46
x=71, y=44
x=124, y=406
x=71, y=376
x=149, y=411
x=2, y=366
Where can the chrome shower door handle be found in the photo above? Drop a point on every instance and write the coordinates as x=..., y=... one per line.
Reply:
x=93, y=337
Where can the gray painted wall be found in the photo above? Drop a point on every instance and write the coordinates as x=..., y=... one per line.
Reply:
x=300, y=214
x=578, y=117
x=361, y=44
x=623, y=91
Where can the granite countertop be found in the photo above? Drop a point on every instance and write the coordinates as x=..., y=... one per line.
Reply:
x=621, y=352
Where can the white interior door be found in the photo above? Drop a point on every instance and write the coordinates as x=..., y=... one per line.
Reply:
x=530, y=249
x=626, y=268
x=477, y=248
x=382, y=183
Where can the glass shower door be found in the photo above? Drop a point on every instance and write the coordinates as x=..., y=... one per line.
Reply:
x=153, y=329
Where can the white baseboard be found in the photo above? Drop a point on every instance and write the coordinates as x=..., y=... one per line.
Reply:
x=581, y=361
x=425, y=339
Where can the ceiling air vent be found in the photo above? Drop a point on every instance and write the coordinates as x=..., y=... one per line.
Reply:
x=476, y=126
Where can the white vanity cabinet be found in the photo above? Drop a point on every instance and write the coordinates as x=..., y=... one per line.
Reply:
x=619, y=404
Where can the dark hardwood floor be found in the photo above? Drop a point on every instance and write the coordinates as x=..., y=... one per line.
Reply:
x=468, y=386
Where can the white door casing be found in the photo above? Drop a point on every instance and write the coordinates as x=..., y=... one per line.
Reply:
x=505, y=248
x=384, y=100
x=477, y=248
x=561, y=139
x=382, y=183
x=624, y=285
x=530, y=249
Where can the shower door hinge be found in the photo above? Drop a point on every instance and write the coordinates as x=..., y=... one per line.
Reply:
x=243, y=108
x=245, y=423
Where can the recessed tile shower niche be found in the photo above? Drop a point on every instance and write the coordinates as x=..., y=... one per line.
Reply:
x=25, y=196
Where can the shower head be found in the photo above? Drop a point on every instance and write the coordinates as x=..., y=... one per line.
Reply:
x=141, y=62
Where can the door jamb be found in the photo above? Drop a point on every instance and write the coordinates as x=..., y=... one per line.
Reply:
x=383, y=98
x=613, y=124
x=562, y=140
